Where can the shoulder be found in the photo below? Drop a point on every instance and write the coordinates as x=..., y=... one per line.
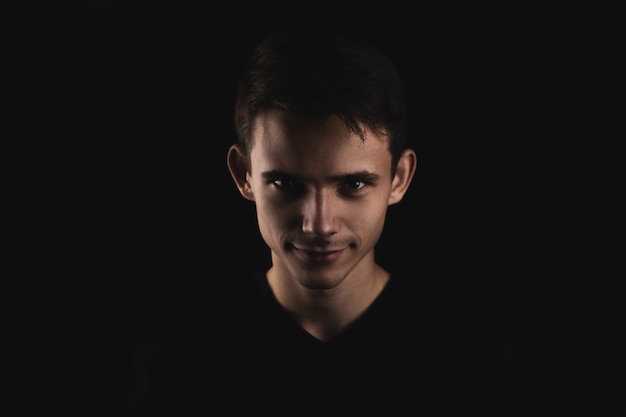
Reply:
x=456, y=327
x=473, y=356
x=447, y=316
x=189, y=350
x=221, y=316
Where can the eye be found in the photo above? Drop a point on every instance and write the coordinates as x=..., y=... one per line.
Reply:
x=285, y=183
x=353, y=185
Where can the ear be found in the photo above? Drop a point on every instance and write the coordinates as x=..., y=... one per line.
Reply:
x=405, y=170
x=238, y=167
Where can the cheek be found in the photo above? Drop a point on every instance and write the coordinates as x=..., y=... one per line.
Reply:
x=373, y=216
x=365, y=219
x=272, y=218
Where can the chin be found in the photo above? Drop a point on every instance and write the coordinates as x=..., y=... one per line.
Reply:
x=320, y=281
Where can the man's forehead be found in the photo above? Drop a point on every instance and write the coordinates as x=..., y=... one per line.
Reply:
x=276, y=128
x=275, y=123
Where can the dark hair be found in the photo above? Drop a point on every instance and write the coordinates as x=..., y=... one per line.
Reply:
x=322, y=74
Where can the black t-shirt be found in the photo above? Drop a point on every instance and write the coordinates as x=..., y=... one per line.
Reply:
x=403, y=356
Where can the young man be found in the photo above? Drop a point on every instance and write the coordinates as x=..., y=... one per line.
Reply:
x=321, y=153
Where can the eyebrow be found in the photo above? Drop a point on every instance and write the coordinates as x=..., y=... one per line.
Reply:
x=360, y=175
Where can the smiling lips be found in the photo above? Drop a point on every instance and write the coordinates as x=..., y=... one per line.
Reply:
x=319, y=257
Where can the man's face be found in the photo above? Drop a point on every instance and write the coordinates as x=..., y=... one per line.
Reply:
x=321, y=196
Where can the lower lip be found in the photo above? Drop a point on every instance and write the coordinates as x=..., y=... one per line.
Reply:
x=319, y=259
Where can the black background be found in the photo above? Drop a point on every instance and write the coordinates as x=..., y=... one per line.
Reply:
x=118, y=209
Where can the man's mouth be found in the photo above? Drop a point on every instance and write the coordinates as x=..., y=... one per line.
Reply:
x=319, y=257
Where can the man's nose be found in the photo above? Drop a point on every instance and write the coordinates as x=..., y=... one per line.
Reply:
x=320, y=214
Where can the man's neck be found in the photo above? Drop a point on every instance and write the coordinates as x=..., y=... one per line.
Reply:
x=326, y=313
